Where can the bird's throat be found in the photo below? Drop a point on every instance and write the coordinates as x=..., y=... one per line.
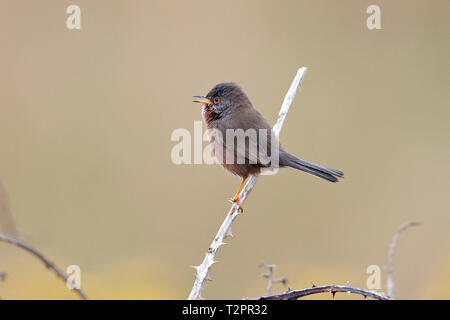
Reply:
x=209, y=114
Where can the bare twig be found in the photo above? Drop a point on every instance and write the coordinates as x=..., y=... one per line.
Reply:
x=333, y=289
x=225, y=228
x=269, y=276
x=46, y=262
x=390, y=258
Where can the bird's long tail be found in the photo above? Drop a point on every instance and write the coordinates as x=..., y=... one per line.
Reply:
x=288, y=160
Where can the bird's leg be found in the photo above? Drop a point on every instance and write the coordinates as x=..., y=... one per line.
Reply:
x=236, y=196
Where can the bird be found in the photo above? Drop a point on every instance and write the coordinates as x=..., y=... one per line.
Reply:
x=243, y=141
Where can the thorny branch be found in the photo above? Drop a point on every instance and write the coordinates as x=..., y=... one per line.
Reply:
x=225, y=228
x=46, y=262
x=333, y=289
x=390, y=258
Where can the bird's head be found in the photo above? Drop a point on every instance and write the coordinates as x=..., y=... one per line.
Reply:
x=225, y=98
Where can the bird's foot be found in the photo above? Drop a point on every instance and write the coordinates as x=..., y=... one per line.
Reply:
x=236, y=200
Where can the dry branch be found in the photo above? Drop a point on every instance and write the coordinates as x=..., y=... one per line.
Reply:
x=225, y=229
x=390, y=258
x=46, y=262
x=333, y=289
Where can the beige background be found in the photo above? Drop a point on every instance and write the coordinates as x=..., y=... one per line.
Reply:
x=86, y=118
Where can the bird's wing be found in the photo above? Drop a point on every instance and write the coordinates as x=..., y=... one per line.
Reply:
x=246, y=137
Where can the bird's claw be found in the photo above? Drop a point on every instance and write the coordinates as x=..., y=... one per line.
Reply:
x=236, y=201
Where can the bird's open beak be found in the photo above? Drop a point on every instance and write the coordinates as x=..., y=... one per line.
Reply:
x=201, y=99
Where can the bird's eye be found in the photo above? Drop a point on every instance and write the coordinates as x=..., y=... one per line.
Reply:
x=216, y=100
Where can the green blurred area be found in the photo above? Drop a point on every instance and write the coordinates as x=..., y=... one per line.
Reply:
x=86, y=118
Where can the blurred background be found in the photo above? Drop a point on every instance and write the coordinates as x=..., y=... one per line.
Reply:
x=86, y=118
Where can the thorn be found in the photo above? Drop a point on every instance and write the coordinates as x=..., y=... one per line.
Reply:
x=332, y=291
x=313, y=285
x=208, y=278
x=229, y=233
